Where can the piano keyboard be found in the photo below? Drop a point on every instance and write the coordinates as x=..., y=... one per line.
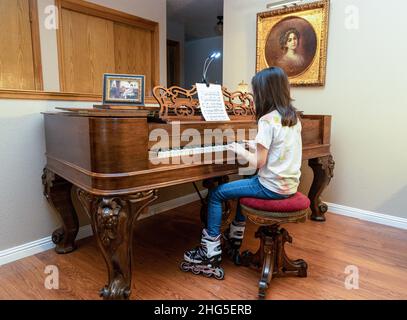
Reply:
x=193, y=150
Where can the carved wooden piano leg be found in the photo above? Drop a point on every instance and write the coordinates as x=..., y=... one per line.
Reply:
x=323, y=172
x=58, y=193
x=112, y=222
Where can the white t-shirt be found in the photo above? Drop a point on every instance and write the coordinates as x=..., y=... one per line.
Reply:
x=282, y=171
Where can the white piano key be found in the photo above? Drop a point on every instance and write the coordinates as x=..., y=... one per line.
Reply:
x=194, y=150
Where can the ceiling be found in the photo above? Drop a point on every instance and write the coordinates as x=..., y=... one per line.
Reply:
x=198, y=16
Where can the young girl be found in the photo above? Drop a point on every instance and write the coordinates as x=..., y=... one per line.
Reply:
x=278, y=156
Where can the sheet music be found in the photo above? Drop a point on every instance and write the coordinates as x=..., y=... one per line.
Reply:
x=211, y=102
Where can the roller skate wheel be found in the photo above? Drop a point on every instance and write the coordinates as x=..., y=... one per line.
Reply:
x=184, y=266
x=196, y=271
x=207, y=274
x=219, y=274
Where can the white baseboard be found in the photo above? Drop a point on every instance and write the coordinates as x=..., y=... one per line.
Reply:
x=25, y=250
x=37, y=246
x=370, y=216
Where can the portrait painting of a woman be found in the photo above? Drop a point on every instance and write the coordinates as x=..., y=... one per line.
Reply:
x=291, y=60
x=291, y=45
x=294, y=39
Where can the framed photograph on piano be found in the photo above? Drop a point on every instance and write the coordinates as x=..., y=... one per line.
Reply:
x=123, y=89
x=295, y=39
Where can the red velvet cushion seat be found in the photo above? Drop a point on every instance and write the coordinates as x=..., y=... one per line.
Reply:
x=296, y=202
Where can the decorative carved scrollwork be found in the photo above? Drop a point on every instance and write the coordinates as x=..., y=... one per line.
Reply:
x=286, y=236
x=57, y=191
x=271, y=256
x=47, y=181
x=176, y=102
x=107, y=218
x=239, y=103
x=323, y=168
x=58, y=236
x=264, y=220
x=143, y=195
x=84, y=196
x=112, y=220
x=327, y=165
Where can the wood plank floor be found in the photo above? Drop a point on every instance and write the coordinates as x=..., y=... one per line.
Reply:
x=379, y=252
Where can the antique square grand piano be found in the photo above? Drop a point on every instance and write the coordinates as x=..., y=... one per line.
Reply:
x=100, y=159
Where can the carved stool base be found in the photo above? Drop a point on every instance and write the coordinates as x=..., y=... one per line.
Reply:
x=272, y=258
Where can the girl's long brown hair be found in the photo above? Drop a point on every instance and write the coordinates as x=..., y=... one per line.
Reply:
x=271, y=91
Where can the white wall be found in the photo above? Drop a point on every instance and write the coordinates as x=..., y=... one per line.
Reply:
x=365, y=92
x=49, y=51
x=196, y=52
x=24, y=213
x=176, y=32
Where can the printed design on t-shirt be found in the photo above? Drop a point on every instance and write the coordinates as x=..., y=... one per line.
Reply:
x=285, y=153
x=271, y=118
x=282, y=156
x=287, y=184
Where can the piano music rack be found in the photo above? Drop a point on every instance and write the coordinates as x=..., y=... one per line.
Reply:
x=180, y=104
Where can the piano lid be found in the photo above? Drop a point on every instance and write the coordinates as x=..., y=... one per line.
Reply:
x=106, y=113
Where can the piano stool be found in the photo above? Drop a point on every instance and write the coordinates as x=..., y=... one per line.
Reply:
x=270, y=214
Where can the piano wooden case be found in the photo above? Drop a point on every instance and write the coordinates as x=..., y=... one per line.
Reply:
x=99, y=161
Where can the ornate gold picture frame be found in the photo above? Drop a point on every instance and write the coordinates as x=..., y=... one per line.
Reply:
x=295, y=39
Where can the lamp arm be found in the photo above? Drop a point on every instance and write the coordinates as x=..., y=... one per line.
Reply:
x=204, y=67
x=207, y=67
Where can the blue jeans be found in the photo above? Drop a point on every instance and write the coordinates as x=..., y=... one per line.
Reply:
x=234, y=190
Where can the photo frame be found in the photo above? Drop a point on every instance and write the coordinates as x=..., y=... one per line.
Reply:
x=123, y=89
x=295, y=39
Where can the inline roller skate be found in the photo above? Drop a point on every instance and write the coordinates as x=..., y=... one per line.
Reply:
x=205, y=259
x=233, y=238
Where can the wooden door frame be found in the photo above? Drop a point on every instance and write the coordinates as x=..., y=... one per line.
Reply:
x=177, y=62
